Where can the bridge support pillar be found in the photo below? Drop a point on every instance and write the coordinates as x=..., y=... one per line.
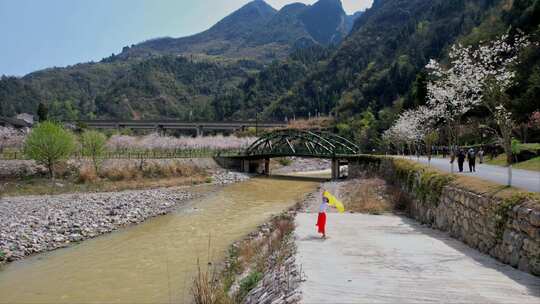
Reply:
x=267, y=167
x=200, y=131
x=335, y=169
x=245, y=166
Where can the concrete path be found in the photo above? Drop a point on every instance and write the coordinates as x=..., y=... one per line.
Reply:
x=392, y=259
x=525, y=179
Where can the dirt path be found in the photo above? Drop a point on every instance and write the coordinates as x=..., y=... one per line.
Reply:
x=392, y=259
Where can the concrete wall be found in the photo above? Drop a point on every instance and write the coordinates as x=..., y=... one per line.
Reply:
x=508, y=231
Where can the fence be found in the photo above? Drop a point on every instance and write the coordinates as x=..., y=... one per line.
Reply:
x=154, y=154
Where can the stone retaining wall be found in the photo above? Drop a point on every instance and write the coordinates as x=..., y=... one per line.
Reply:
x=506, y=229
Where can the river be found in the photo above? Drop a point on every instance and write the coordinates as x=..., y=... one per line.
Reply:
x=153, y=262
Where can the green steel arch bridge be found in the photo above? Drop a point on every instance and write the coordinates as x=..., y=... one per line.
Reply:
x=297, y=143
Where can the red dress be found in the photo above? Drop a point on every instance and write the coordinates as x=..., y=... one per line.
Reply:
x=321, y=220
x=321, y=223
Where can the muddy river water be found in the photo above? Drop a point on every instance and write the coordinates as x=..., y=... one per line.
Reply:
x=153, y=262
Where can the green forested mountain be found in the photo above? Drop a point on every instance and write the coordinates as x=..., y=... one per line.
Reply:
x=379, y=69
x=168, y=86
x=149, y=80
x=364, y=79
x=390, y=45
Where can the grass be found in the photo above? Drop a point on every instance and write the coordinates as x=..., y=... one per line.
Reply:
x=531, y=146
x=284, y=161
x=207, y=288
x=532, y=164
x=252, y=257
x=497, y=161
x=111, y=178
x=248, y=283
x=368, y=196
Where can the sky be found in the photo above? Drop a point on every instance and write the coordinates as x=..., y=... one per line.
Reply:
x=37, y=34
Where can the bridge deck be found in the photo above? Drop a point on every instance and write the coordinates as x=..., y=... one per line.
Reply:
x=179, y=125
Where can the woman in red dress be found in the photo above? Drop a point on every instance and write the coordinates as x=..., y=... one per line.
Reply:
x=321, y=220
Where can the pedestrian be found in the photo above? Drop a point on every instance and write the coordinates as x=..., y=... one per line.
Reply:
x=471, y=156
x=481, y=155
x=461, y=159
x=321, y=220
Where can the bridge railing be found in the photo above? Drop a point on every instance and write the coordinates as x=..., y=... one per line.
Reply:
x=130, y=154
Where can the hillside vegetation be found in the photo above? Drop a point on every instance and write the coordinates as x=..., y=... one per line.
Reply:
x=293, y=63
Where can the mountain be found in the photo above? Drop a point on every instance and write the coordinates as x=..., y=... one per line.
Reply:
x=258, y=31
x=146, y=80
x=295, y=62
x=378, y=70
x=326, y=22
x=378, y=62
x=224, y=37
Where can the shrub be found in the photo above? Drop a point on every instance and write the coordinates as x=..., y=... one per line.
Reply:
x=87, y=174
x=49, y=144
x=120, y=173
x=285, y=161
x=248, y=283
x=93, y=145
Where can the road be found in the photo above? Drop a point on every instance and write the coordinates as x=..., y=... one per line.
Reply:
x=392, y=259
x=528, y=180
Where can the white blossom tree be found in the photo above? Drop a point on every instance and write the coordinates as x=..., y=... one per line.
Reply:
x=412, y=128
x=477, y=77
x=474, y=77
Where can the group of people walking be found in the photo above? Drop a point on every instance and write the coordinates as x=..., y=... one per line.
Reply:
x=471, y=155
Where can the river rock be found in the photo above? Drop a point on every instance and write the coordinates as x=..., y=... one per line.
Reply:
x=34, y=224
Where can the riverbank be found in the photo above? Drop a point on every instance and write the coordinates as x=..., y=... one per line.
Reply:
x=35, y=224
x=155, y=261
x=260, y=269
x=24, y=178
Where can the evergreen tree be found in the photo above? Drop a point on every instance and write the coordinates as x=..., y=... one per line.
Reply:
x=42, y=112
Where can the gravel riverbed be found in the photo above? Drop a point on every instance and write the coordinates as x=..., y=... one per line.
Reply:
x=304, y=165
x=35, y=224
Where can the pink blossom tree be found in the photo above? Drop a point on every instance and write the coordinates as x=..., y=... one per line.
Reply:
x=11, y=138
x=156, y=142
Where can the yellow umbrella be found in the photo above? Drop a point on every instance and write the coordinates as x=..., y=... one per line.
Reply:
x=334, y=202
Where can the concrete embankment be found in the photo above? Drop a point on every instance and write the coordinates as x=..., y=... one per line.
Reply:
x=504, y=225
x=394, y=259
